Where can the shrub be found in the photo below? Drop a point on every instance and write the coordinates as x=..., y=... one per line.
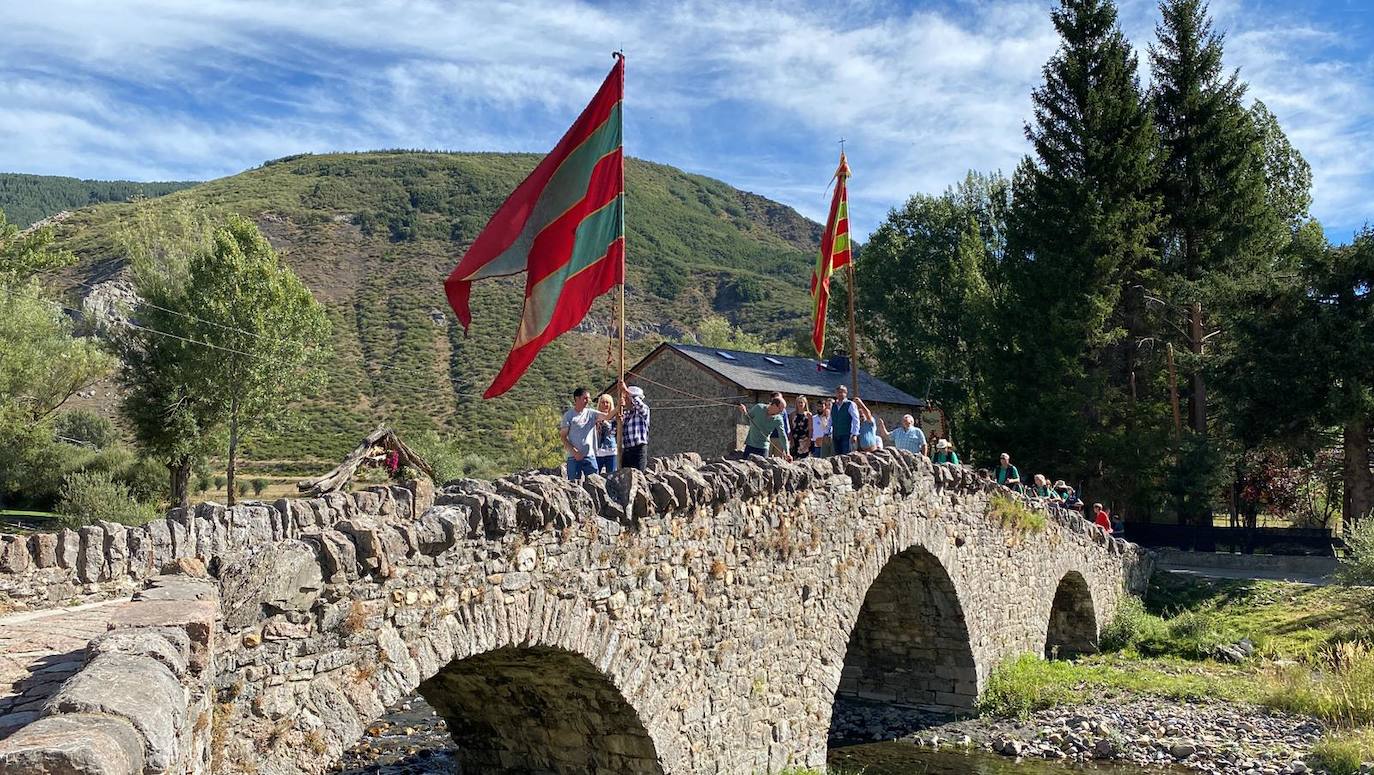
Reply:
x=1131, y=626
x=1015, y=515
x=219, y=483
x=241, y=487
x=87, y=496
x=85, y=426
x=1357, y=566
x=146, y=479
x=258, y=484
x=1343, y=751
x=202, y=483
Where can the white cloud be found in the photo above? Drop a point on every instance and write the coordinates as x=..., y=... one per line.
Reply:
x=750, y=91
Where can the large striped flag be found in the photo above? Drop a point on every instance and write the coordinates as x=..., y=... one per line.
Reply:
x=835, y=254
x=564, y=227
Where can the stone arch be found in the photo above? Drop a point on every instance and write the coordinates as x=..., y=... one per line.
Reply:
x=910, y=643
x=520, y=647
x=539, y=709
x=1072, y=626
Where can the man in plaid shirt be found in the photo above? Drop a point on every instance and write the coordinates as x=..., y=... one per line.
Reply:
x=636, y=422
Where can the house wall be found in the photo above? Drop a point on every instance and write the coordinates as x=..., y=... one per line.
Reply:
x=681, y=423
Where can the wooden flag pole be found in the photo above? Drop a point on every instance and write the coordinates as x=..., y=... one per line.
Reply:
x=853, y=340
x=624, y=251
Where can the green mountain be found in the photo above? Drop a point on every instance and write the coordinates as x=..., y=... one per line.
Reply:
x=29, y=198
x=374, y=235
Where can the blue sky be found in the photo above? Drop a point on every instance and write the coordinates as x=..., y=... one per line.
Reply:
x=753, y=93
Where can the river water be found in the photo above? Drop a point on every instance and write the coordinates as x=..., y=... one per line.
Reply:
x=412, y=740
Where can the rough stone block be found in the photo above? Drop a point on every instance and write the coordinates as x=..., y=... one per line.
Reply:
x=91, y=565
x=138, y=689
x=116, y=549
x=43, y=547
x=14, y=554
x=73, y=744
x=148, y=642
x=281, y=577
x=194, y=617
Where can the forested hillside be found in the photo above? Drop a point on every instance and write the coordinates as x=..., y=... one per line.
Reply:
x=374, y=234
x=29, y=198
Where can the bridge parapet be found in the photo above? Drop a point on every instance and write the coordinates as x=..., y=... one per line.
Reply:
x=702, y=617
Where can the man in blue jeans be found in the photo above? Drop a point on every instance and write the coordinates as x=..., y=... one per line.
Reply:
x=844, y=422
x=578, y=430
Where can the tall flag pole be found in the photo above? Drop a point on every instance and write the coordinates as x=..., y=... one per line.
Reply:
x=620, y=426
x=835, y=254
x=563, y=227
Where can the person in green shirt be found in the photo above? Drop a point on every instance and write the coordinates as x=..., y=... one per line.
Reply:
x=944, y=453
x=1007, y=475
x=764, y=420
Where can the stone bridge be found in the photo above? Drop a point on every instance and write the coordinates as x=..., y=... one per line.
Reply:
x=701, y=618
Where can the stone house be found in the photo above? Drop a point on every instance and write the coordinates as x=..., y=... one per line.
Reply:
x=693, y=392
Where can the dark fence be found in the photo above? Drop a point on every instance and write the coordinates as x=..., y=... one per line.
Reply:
x=1247, y=540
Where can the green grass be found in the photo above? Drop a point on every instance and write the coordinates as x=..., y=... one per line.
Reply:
x=1343, y=751
x=1029, y=683
x=1012, y=514
x=1311, y=652
x=374, y=235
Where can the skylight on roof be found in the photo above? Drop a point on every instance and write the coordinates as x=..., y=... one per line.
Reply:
x=725, y=355
x=772, y=360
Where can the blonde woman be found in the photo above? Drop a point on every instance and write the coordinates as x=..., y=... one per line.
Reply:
x=801, y=428
x=607, y=456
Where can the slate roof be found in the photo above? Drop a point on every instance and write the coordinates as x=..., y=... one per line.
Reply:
x=789, y=374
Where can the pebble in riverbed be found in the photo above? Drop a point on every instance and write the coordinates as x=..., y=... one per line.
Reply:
x=1206, y=736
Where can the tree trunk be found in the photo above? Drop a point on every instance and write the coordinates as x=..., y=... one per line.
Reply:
x=1197, y=409
x=1359, y=480
x=233, y=449
x=181, y=482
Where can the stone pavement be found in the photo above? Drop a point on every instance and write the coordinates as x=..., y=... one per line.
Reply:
x=41, y=649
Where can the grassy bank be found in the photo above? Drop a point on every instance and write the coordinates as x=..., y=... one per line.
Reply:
x=1311, y=655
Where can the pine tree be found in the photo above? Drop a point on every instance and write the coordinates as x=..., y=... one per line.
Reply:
x=1080, y=253
x=1219, y=226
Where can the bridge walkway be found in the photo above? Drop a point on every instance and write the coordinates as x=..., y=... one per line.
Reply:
x=41, y=649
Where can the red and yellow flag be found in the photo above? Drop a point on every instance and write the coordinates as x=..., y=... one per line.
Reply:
x=834, y=255
x=564, y=227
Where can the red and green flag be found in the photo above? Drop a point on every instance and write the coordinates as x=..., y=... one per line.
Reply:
x=834, y=255
x=564, y=227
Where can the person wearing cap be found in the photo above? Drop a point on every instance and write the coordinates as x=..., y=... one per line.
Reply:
x=1007, y=474
x=1067, y=495
x=635, y=418
x=908, y=436
x=944, y=453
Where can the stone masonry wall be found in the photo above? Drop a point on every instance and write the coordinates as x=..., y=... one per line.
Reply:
x=109, y=559
x=705, y=430
x=701, y=616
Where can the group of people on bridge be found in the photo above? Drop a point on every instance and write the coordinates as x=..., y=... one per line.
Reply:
x=1058, y=494
x=592, y=437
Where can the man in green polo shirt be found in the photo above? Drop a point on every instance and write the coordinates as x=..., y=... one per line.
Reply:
x=764, y=420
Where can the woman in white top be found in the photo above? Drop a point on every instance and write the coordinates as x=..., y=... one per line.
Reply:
x=820, y=430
